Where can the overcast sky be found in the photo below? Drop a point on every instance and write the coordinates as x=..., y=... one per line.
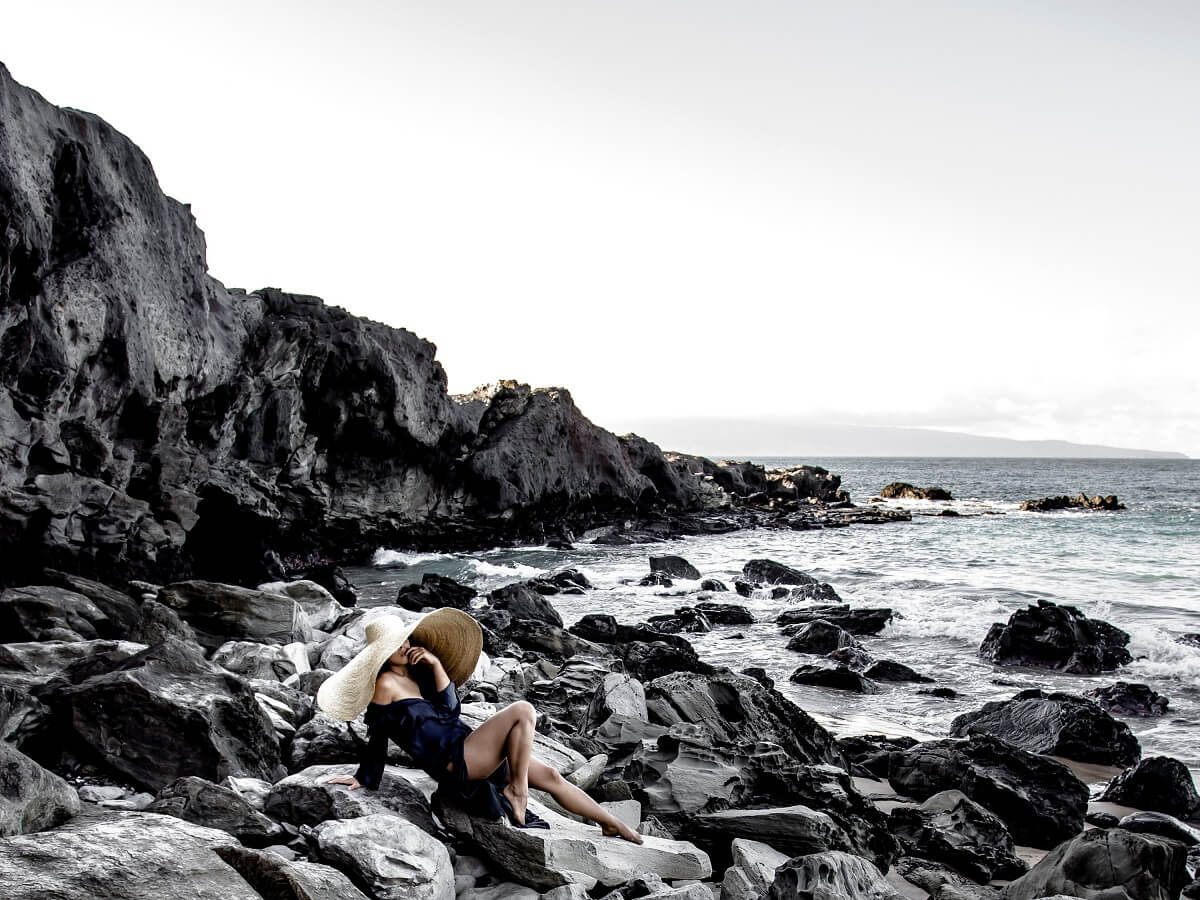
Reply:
x=980, y=216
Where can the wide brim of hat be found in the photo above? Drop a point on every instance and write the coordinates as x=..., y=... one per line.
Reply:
x=450, y=634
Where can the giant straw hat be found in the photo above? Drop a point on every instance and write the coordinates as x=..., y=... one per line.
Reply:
x=450, y=634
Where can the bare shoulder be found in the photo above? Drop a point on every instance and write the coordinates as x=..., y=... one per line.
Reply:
x=390, y=687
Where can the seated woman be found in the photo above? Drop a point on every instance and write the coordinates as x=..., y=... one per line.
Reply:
x=405, y=679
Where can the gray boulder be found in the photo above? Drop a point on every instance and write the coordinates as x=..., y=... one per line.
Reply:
x=224, y=612
x=31, y=798
x=571, y=852
x=276, y=878
x=45, y=613
x=753, y=870
x=1110, y=864
x=167, y=712
x=523, y=602
x=307, y=798
x=767, y=571
x=320, y=606
x=126, y=856
x=388, y=856
x=121, y=610
x=831, y=875
x=213, y=806
x=266, y=661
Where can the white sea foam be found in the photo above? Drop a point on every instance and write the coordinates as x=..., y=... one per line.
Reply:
x=1156, y=654
x=384, y=558
x=502, y=570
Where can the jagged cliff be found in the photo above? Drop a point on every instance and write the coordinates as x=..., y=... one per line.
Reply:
x=154, y=423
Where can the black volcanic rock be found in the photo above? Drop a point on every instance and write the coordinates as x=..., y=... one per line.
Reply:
x=820, y=636
x=767, y=571
x=1157, y=783
x=1056, y=725
x=1056, y=637
x=902, y=490
x=838, y=677
x=1040, y=800
x=154, y=424
x=856, y=620
x=1125, y=698
x=675, y=567
x=1083, y=501
x=435, y=591
x=1112, y=863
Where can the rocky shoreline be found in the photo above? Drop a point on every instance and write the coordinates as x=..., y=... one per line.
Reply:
x=183, y=715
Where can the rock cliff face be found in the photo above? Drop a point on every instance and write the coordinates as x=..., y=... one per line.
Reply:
x=154, y=423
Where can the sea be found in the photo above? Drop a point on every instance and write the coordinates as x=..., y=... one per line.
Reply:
x=947, y=579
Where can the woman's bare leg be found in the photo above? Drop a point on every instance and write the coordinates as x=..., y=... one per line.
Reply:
x=571, y=798
x=506, y=735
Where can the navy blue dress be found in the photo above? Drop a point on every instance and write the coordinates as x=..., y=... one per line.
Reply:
x=430, y=731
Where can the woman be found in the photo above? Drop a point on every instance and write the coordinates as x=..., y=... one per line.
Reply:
x=405, y=678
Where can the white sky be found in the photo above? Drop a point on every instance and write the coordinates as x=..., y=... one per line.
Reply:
x=979, y=216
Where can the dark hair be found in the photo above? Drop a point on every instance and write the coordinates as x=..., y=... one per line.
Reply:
x=387, y=663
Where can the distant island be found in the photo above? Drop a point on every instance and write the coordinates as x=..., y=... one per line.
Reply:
x=723, y=437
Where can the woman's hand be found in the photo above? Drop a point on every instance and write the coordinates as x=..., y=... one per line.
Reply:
x=345, y=779
x=417, y=655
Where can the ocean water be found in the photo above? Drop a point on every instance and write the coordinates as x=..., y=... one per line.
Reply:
x=948, y=579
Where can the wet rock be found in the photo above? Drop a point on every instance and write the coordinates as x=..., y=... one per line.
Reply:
x=278, y=878
x=1083, y=501
x=1055, y=725
x=253, y=790
x=1161, y=824
x=213, y=806
x=942, y=882
x=435, y=591
x=759, y=674
x=647, y=654
x=794, y=830
x=859, y=620
x=1157, y=783
x=1106, y=865
x=1124, y=698
x=838, y=677
x=949, y=827
x=501, y=628
x=130, y=856
x=818, y=592
x=322, y=741
x=687, y=619
x=392, y=858
x=571, y=852
x=675, y=567
x=767, y=571
x=820, y=636
x=31, y=798
x=1040, y=800
x=331, y=578
x=45, y=613
x=725, y=613
x=712, y=584
x=942, y=693
x=902, y=490
x=1102, y=820
x=656, y=579
x=564, y=581
x=1049, y=636
x=321, y=607
x=223, y=612
x=167, y=712
x=307, y=798
x=733, y=708
x=742, y=587
x=890, y=670
x=831, y=875
x=523, y=602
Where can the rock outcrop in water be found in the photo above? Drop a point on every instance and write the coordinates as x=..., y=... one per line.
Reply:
x=1083, y=501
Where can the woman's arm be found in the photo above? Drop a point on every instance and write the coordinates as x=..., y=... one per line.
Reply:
x=371, y=762
x=419, y=655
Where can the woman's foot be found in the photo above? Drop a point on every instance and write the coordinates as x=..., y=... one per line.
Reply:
x=519, y=803
x=619, y=829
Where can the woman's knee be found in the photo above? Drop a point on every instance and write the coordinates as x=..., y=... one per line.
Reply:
x=523, y=711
